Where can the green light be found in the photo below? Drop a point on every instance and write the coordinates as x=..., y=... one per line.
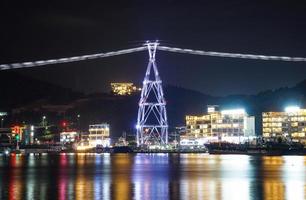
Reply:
x=17, y=137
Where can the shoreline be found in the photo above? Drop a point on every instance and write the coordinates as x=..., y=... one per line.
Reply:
x=155, y=152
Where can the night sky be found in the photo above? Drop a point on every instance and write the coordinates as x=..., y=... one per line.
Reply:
x=35, y=30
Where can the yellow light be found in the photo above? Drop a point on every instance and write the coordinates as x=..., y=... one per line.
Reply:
x=124, y=88
x=82, y=147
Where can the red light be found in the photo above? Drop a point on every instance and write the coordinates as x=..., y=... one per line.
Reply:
x=16, y=129
x=64, y=123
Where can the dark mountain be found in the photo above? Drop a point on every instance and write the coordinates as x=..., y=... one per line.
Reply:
x=18, y=90
x=28, y=99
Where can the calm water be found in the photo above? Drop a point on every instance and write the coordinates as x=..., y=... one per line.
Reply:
x=152, y=176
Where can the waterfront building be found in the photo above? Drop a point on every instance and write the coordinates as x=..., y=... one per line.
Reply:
x=123, y=89
x=68, y=136
x=28, y=134
x=289, y=124
x=121, y=142
x=233, y=126
x=99, y=135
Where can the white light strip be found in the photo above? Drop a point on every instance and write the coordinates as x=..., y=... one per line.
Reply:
x=233, y=112
x=232, y=55
x=142, y=48
x=69, y=59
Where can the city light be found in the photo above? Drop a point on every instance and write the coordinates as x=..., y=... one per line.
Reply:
x=233, y=112
x=210, y=109
x=68, y=136
x=288, y=124
x=64, y=123
x=3, y=114
x=99, y=135
x=83, y=147
x=124, y=88
x=291, y=109
x=233, y=126
x=95, y=145
x=17, y=137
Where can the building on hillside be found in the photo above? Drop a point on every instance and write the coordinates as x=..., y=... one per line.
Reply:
x=99, y=135
x=288, y=124
x=124, y=89
x=234, y=126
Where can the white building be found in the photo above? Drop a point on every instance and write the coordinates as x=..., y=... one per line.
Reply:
x=99, y=135
x=234, y=126
x=68, y=136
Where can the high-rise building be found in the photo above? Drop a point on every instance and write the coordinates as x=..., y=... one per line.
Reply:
x=288, y=124
x=233, y=126
x=123, y=89
x=99, y=135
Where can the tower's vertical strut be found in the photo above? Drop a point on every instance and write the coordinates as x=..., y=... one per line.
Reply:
x=152, y=123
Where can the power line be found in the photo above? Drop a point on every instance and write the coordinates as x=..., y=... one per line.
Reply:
x=69, y=59
x=231, y=55
x=137, y=49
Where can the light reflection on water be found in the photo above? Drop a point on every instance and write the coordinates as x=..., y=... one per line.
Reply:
x=152, y=176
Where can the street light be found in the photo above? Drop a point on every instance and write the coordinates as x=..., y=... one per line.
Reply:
x=79, y=123
x=2, y=122
x=43, y=122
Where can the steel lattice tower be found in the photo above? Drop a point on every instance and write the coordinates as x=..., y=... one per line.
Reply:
x=152, y=123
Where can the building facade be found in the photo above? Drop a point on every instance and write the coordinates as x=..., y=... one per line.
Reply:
x=124, y=89
x=99, y=135
x=233, y=126
x=289, y=124
x=68, y=137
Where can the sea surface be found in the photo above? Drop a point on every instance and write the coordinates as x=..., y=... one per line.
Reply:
x=152, y=176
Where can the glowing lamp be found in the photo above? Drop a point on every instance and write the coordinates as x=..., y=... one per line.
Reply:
x=64, y=123
x=291, y=109
x=17, y=137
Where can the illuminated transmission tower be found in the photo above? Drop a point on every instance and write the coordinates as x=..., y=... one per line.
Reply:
x=152, y=123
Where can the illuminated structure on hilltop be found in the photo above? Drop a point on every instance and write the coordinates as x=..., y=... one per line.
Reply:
x=152, y=123
x=233, y=126
x=124, y=89
x=289, y=124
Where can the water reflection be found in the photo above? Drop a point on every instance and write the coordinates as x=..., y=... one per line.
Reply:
x=294, y=176
x=152, y=176
x=274, y=187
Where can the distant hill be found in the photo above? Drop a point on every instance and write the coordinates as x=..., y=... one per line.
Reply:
x=17, y=90
x=28, y=99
